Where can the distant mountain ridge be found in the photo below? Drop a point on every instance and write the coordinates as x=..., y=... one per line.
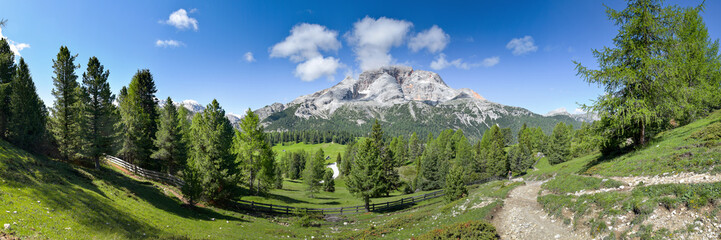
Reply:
x=195, y=107
x=403, y=99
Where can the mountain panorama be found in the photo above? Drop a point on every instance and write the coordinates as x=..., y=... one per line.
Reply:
x=411, y=100
x=400, y=96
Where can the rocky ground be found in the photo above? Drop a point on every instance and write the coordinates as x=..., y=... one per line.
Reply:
x=523, y=218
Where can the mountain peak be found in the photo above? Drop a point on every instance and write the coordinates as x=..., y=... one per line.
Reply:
x=385, y=86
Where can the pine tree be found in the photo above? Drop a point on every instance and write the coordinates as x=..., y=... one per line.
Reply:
x=254, y=154
x=67, y=110
x=211, y=157
x=138, y=108
x=7, y=71
x=100, y=110
x=497, y=159
x=338, y=161
x=455, y=187
x=350, y=154
x=662, y=67
x=313, y=173
x=27, y=111
x=366, y=172
x=169, y=139
x=560, y=144
x=328, y=182
x=414, y=147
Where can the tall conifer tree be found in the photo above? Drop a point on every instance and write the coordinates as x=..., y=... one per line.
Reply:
x=67, y=110
x=28, y=113
x=7, y=70
x=99, y=109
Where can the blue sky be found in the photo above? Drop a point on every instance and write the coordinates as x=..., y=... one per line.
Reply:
x=201, y=51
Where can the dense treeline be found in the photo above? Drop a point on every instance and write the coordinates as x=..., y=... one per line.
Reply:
x=663, y=71
x=449, y=160
x=310, y=137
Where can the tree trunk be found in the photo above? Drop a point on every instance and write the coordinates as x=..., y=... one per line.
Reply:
x=97, y=163
x=642, y=136
x=367, y=202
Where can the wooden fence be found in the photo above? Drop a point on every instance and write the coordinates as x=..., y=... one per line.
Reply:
x=273, y=208
x=373, y=207
x=149, y=174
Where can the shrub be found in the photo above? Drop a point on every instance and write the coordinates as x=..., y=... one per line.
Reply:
x=466, y=230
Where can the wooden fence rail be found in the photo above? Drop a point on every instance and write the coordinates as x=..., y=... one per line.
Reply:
x=273, y=208
x=149, y=174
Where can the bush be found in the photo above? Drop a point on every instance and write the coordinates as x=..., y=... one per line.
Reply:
x=309, y=220
x=465, y=230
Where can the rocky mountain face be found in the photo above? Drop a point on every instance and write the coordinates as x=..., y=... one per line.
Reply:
x=404, y=100
x=581, y=117
x=195, y=107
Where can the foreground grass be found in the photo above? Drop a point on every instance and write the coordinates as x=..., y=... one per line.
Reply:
x=640, y=202
x=695, y=147
x=330, y=149
x=691, y=148
x=570, y=183
x=545, y=170
x=42, y=198
x=433, y=215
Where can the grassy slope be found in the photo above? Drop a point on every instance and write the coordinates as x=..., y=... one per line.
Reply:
x=672, y=151
x=43, y=198
x=49, y=199
x=294, y=194
x=330, y=149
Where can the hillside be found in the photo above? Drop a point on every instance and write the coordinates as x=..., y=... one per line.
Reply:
x=409, y=100
x=42, y=198
x=668, y=189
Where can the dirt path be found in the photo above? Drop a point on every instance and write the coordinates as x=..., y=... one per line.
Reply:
x=523, y=218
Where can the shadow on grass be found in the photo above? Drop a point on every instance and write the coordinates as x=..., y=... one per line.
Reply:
x=151, y=194
x=605, y=157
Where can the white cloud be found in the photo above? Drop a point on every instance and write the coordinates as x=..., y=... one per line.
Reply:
x=249, y=57
x=168, y=43
x=304, y=46
x=578, y=111
x=15, y=47
x=373, y=38
x=522, y=45
x=305, y=42
x=491, y=61
x=441, y=62
x=433, y=39
x=317, y=67
x=180, y=20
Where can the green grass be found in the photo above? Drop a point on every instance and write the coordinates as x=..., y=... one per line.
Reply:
x=677, y=150
x=436, y=214
x=570, y=183
x=641, y=201
x=695, y=147
x=42, y=198
x=294, y=194
x=545, y=170
x=330, y=149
